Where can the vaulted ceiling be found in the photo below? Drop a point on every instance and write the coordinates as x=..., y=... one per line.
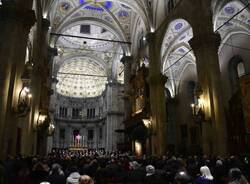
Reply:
x=127, y=21
x=113, y=20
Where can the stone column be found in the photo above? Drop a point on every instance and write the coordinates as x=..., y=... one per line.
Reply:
x=110, y=120
x=40, y=74
x=205, y=45
x=15, y=22
x=127, y=62
x=114, y=115
x=157, y=97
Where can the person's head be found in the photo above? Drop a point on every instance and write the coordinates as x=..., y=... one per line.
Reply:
x=85, y=179
x=205, y=172
x=219, y=163
x=182, y=178
x=150, y=170
x=135, y=165
x=56, y=169
x=235, y=174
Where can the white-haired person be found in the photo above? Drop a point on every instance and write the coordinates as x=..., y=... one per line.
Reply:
x=205, y=177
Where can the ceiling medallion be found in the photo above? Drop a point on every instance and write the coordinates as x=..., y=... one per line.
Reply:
x=65, y=6
x=95, y=5
x=178, y=26
x=229, y=10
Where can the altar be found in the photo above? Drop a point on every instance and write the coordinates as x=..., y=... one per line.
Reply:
x=78, y=149
x=78, y=144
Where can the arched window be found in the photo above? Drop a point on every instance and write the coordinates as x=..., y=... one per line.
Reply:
x=240, y=69
x=236, y=70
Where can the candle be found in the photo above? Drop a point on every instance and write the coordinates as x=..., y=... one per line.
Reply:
x=83, y=141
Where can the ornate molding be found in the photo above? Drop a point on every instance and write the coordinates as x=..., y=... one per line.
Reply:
x=150, y=37
x=45, y=24
x=126, y=59
x=205, y=40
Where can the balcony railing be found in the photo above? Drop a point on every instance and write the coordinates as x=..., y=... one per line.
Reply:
x=80, y=118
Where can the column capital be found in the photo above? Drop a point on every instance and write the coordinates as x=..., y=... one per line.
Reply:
x=126, y=59
x=45, y=24
x=10, y=11
x=150, y=37
x=54, y=80
x=157, y=79
x=206, y=40
x=52, y=52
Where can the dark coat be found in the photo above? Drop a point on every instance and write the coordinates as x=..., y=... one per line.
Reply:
x=56, y=179
x=155, y=179
x=202, y=180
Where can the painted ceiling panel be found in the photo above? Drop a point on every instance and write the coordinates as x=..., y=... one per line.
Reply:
x=82, y=78
x=71, y=17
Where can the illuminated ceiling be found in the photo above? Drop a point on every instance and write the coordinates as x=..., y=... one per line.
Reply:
x=112, y=20
x=128, y=20
x=175, y=45
x=240, y=23
x=94, y=32
x=88, y=80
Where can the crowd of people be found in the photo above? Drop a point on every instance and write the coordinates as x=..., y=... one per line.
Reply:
x=100, y=167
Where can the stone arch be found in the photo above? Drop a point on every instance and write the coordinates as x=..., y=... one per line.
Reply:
x=178, y=31
x=175, y=45
x=139, y=31
x=234, y=73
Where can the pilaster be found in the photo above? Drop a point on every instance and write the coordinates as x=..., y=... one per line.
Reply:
x=15, y=22
x=41, y=72
x=157, y=97
x=205, y=45
x=127, y=61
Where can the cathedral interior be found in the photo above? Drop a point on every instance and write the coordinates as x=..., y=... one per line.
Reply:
x=139, y=76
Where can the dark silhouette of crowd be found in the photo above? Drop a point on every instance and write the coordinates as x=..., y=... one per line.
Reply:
x=100, y=167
